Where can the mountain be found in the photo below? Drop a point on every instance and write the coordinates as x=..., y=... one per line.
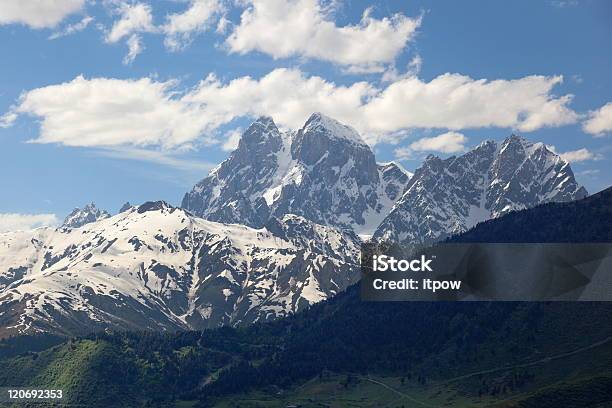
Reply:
x=324, y=172
x=434, y=341
x=446, y=197
x=283, y=219
x=81, y=216
x=126, y=206
x=327, y=174
x=586, y=220
x=158, y=267
x=343, y=351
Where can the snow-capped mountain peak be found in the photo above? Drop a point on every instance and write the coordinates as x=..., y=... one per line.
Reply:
x=323, y=172
x=449, y=196
x=126, y=206
x=81, y=216
x=159, y=267
x=261, y=131
x=323, y=126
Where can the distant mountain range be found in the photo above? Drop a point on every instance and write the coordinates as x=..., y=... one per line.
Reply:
x=450, y=196
x=273, y=229
x=327, y=174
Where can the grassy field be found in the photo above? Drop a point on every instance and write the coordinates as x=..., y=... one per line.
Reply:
x=339, y=390
x=380, y=392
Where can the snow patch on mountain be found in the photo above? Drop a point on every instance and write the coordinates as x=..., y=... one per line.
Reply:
x=159, y=267
x=319, y=123
x=446, y=197
x=323, y=172
x=81, y=216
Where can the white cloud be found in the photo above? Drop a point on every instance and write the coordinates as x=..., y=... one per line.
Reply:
x=8, y=119
x=403, y=153
x=577, y=78
x=579, y=155
x=19, y=222
x=600, y=121
x=135, y=47
x=232, y=138
x=38, y=13
x=134, y=18
x=303, y=28
x=455, y=102
x=588, y=173
x=223, y=25
x=113, y=112
x=575, y=156
x=287, y=95
x=449, y=101
x=564, y=3
x=364, y=69
x=168, y=159
x=198, y=17
x=413, y=68
x=72, y=28
x=449, y=142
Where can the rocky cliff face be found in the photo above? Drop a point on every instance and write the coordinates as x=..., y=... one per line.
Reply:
x=449, y=196
x=323, y=172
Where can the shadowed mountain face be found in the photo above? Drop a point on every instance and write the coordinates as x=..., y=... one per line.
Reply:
x=586, y=220
x=323, y=172
x=232, y=193
x=446, y=197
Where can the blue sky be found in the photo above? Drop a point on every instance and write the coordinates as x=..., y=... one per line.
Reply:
x=110, y=101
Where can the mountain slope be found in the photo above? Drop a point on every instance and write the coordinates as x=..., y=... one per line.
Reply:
x=493, y=354
x=439, y=340
x=158, y=267
x=323, y=172
x=586, y=220
x=232, y=192
x=446, y=197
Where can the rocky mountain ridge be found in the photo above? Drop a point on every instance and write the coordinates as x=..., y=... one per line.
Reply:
x=323, y=172
x=449, y=196
x=81, y=216
x=158, y=267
